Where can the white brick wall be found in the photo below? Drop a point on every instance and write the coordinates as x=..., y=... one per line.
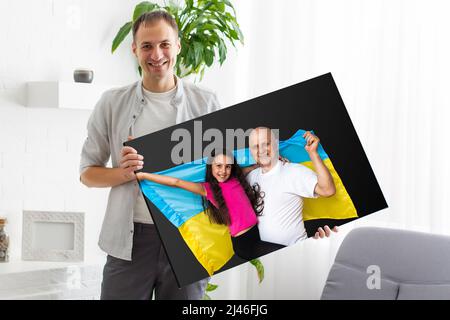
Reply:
x=45, y=45
x=40, y=148
x=39, y=158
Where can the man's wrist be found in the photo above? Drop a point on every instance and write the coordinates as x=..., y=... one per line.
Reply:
x=313, y=154
x=127, y=176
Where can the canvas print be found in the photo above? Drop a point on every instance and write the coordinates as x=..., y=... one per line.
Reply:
x=254, y=178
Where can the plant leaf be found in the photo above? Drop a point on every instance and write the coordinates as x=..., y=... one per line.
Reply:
x=198, y=53
x=209, y=56
x=207, y=26
x=202, y=73
x=173, y=9
x=221, y=6
x=206, y=297
x=211, y=287
x=123, y=32
x=145, y=6
x=259, y=268
x=234, y=35
x=222, y=51
x=228, y=3
x=189, y=4
x=216, y=6
x=238, y=30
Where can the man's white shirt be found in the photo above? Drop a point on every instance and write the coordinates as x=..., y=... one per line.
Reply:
x=157, y=114
x=284, y=186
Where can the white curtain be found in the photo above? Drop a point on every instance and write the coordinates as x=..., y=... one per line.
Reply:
x=390, y=61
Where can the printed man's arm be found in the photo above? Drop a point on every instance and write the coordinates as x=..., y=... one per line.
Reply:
x=325, y=184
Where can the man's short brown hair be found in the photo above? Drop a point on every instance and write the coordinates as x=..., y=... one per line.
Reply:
x=149, y=18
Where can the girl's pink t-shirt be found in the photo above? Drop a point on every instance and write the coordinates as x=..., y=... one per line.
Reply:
x=240, y=209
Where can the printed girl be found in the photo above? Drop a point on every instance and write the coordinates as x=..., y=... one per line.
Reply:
x=229, y=200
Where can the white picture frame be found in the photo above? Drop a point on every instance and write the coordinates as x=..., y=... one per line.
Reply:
x=53, y=236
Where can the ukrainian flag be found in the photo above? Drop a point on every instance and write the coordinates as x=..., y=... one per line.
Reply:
x=211, y=243
x=339, y=206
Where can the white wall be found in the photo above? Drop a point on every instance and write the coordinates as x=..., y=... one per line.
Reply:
x=388, y=58
x=46, y=40
x=390, y=62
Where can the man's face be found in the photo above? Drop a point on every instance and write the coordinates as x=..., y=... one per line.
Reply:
x=263, y=146
x=156, y=47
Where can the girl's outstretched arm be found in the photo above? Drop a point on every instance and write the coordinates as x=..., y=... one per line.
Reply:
x=173, y=182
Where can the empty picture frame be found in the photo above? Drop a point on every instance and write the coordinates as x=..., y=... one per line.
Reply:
x=53, y=236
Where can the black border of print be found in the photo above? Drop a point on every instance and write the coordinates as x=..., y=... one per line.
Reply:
x=314, y=104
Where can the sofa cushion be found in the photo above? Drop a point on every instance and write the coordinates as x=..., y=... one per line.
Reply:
x=424, y=292
x=346, y=282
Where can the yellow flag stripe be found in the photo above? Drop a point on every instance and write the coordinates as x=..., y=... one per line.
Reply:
x=209, y=242
x=339, y=206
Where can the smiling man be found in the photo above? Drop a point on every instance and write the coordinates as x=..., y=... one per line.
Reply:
x=285, y=186
x=156, y=46
x=137, y=266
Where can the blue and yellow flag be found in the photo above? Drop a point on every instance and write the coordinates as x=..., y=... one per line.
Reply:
x=211, y=243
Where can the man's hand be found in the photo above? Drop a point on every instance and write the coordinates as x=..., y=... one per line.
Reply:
x=130, y=161
x=312, y=142
x=324, y=233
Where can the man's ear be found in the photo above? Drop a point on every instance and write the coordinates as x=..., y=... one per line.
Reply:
x=179, y=46
x=133, y=48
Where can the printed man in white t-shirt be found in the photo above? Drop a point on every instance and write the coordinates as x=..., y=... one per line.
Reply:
x=285, y=185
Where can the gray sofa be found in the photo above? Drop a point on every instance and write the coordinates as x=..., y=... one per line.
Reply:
x=408, y=265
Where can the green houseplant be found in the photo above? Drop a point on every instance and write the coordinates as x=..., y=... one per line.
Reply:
x=204, y=28
x=259, y=269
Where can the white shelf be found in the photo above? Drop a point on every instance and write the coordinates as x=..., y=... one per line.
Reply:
x=66, y=95
x=51, y=280
x=16, y=265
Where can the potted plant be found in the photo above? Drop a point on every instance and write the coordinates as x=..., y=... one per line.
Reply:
x=204, y=28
